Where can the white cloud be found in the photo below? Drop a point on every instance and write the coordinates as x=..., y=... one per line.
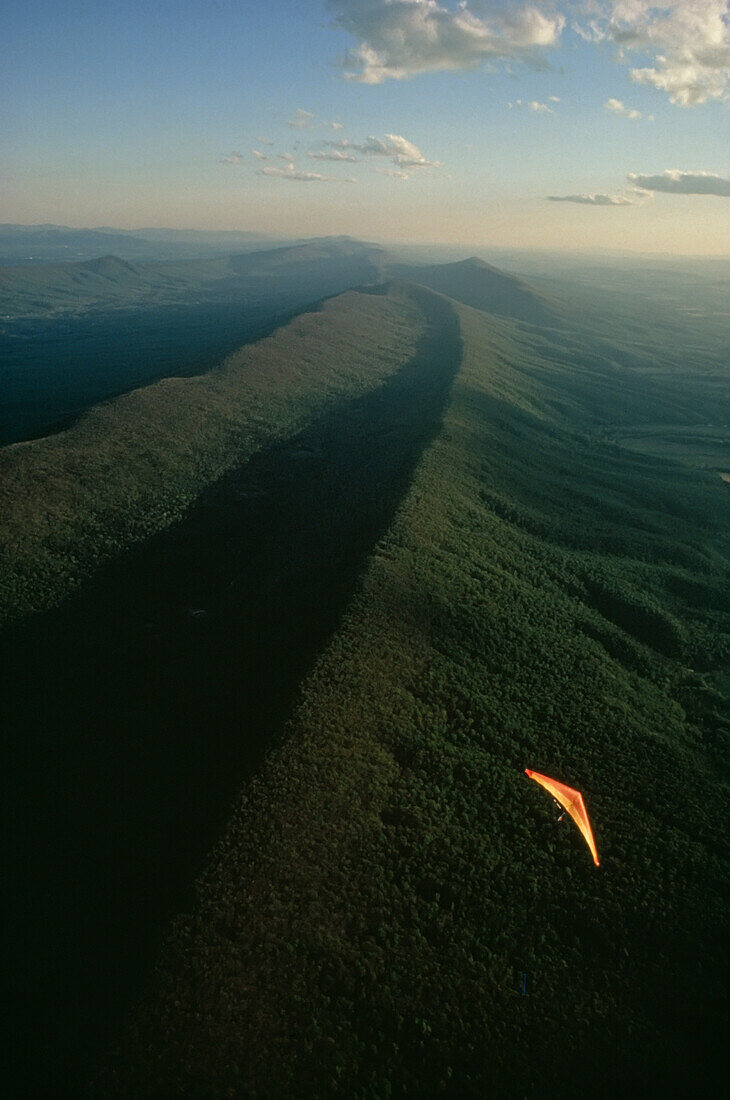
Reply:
x=333, y=154
x=554, y=98
x=258, y=154
x=685, y=42
x=594, y=200
x=394, y=173
x=403, y=153
x=289, y=172
x=301, y=119
x=401, y=38
x=618, y=108
x=534, y=105
x=288, y=157
x=337, y=125
x=680, y=47
x=683, y=183
x=233, y=158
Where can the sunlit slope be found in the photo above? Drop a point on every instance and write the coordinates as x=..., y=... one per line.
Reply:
x=541, y=601
x=607, y=374
x=130, y=468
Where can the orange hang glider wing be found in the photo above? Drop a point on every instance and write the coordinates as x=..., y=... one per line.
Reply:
x=572, y=802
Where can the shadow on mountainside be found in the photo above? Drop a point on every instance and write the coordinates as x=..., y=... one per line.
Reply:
x=137, y=709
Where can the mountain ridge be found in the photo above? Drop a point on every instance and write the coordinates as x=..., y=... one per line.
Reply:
x=388, y=884
x=523, y=592
x=482, y=286
x=42, y=290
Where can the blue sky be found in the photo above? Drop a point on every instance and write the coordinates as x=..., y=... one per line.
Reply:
x=508, y=124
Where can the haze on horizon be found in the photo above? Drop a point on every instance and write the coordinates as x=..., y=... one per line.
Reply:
x=584, y=124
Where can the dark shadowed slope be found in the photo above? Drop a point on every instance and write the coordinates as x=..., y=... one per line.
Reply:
x=79, y=333
x=168, y=674
x=483, y=287
x=129, y=469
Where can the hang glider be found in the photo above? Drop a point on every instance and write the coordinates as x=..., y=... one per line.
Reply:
x=572, y=802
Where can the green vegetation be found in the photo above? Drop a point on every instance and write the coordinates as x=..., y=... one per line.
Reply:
x=75, y=334
x=135, y=707
x=542, y=598
x=378, y=563
x=127, y=470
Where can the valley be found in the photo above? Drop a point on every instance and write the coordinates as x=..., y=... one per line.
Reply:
x=72, y=335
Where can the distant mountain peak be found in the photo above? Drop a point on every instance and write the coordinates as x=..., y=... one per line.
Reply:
x=481, y=286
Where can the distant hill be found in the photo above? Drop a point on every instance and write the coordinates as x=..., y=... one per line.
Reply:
x=476, y=283
x=108, y=281
x=23, y=244
x=33, y=244
x=313, y=268
x=309, y=270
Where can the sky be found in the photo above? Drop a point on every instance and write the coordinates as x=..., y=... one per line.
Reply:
x=584, y=124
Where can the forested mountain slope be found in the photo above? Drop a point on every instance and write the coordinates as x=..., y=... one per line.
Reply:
x=75, y=334
x=129, y=468
x=542, y=599
x=172, y=566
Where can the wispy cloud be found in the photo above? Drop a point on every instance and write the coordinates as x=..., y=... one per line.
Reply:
x=332, y=154
x=289, y=172
x=402, y=152
x=685, y=42
x=616, y=107
x=258, y=154
x=233, y=158
x=301, y=119
x=534, y=105
x=594, y=200
x=401, y=38
x=394, y=173
x=684, y=183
